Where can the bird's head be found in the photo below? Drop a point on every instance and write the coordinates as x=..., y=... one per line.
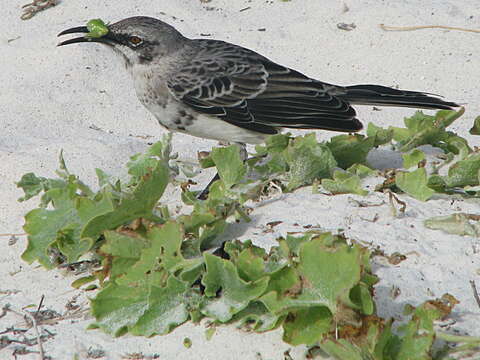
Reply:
x=138, y=39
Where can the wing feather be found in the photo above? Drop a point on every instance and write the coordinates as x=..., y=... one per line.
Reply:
x=248, y=90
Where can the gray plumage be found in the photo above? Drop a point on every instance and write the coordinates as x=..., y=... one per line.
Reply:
x=217, y=90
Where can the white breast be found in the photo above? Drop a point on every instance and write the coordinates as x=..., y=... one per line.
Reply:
x=153, y=93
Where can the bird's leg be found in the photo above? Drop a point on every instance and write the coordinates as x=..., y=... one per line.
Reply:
x=243, y=155
x=203, y=195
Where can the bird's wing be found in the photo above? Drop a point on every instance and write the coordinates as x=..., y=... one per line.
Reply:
x=250, y=91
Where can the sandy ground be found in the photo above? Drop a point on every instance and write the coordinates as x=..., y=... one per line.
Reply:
x=80, y=99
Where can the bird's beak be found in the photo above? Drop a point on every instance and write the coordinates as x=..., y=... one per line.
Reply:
x=83, y=29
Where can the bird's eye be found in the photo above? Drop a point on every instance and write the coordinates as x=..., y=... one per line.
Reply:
x=135, y=40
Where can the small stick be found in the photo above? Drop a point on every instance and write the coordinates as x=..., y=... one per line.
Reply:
x=39, y=340
x=475, y=292
x=411, y=28
x=36, y=6
x=40, y=305
x=392, y=197
x=13, y=234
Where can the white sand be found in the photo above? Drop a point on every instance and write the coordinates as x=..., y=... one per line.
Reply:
x=50, y=96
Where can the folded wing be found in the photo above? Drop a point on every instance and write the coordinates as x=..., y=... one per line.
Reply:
x=247, y=90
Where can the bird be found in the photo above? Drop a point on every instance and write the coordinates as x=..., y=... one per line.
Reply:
x=218, y=90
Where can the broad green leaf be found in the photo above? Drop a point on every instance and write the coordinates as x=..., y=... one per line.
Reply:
x=360, y=295
x=162, y=302
x=206, y=223
x=276, y=164
x=32, y=185
x=445, y=118
x=361, y=170
x=167, y=308
x=43, y=225
x=307, y=326
x=142, y=164
x=274, y=144
x=387, y=343
x=437, y=183
x=456, y=145
x=464, y=172
x=327, y=274
x=257, y=317
x=205, y=160
x=163, y=254
x=287, y=280
x=278, y=143
x=381, y=136
x=400, y=134
x=139, y=203
x=250, y=265
x=350, y=149
x=343, y=183
x=414, y=184
x=307, y=160
x=417, y=335
x=293, y=243
x=230, y=165
x=168, y=239
x=61, y=227
x=209, y=233
x=413, y=158
x=71, y=243
x=124, y=245
x=425, y=129
x=235, y=293
x=124, y=249
x=117, y=308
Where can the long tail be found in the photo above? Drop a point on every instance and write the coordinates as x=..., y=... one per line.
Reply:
x=385, y=96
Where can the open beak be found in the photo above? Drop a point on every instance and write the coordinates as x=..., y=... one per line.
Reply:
x=83, y=29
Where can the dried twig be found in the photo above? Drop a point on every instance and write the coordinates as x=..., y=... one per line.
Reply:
x=36, y=6
x=475, y=292
x=13, y=234
x=40, y=305
x=411, y=28
x=37, y=334
x=391, y=197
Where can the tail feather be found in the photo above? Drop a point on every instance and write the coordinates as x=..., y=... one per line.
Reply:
x=385, y=96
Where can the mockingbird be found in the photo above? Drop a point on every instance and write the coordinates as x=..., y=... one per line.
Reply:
x=217, y=90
